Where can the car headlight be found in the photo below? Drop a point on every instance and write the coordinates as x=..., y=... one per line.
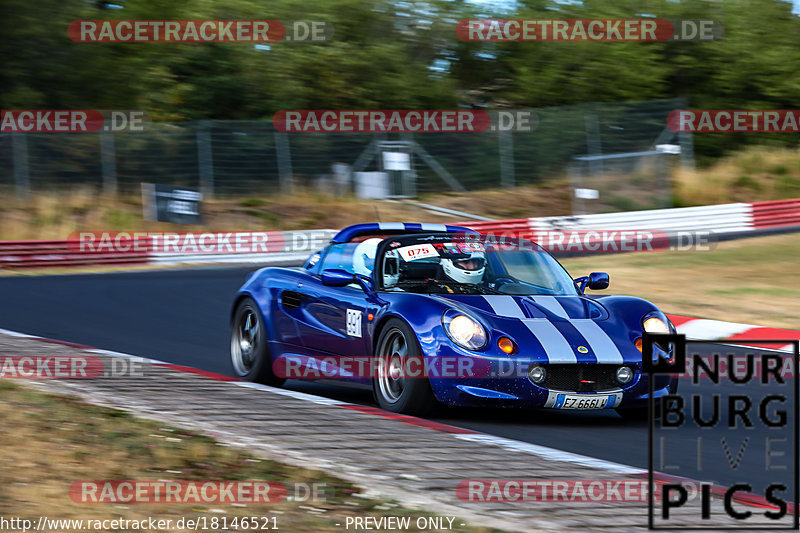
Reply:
x=464, y=331
x=655, y=325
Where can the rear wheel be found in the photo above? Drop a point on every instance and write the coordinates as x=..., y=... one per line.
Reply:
x=250, y=355
x=401, y=384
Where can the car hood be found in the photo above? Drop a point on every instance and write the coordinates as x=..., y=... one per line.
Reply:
x=555, y=329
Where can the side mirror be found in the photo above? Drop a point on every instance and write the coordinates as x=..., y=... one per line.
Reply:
x=598, y=281
x=336, y=277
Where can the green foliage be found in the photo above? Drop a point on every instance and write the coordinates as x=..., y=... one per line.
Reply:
x=399, y=55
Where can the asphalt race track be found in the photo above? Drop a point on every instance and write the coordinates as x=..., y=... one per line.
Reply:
x=181, y=316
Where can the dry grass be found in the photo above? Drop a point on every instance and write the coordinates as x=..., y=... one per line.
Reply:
x=756, y=174
x=49, y=442
x=56, y=215
x=752, y=281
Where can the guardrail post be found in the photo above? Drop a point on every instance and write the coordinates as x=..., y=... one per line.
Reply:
x=205, y=161
x=108, y=163
x=284, y=155
x=20, y=154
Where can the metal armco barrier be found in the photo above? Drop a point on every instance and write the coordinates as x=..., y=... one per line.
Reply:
x=721, y=219
x=294, y=246
x=33, y=254
x=776, y=213
x=519, y=228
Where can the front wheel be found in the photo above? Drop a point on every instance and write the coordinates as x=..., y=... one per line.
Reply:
x=250, y=355
x=401, y=384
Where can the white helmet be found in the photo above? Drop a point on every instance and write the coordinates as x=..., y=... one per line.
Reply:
x=465, y=269
x=364, y=256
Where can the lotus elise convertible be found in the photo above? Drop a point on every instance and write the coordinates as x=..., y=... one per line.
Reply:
x=427, y=313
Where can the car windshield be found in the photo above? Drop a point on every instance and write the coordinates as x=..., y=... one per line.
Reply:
x=470, y=264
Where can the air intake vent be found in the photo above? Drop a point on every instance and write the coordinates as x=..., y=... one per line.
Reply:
x=582, y=377
x=291, y=299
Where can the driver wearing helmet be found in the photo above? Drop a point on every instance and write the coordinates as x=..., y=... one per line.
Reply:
x=364, y=261
x=464, y=268
x=364, y=256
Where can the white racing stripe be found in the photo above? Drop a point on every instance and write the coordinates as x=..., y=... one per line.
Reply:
x=551, y=304
x=601, y=344
x=434, y=227
x=391, y=226
x=555, y=345
x=505, y=306
x=603, y=347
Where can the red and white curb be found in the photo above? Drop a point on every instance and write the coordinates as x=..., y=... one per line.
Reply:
x=457, y=432
x=713, y=330
x=545, y=452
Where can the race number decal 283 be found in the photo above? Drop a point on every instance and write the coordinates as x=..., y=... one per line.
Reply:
x=353, y=323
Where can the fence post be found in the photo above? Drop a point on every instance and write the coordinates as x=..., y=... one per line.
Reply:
x=284, y=155
x=593, y=144
x=20, y=154
x=108, y=163
x=505, y=141
x=205, y=160
x=687, y=150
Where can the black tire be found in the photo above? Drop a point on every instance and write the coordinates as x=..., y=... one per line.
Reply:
x=411, y=395
x=250, y=357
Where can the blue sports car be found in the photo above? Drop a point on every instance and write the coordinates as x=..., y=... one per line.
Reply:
x=427, y=313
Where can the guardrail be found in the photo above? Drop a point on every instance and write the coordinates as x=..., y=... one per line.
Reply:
x=721, y=219
x=55, y=253
x=776, y=213
x=238, y=247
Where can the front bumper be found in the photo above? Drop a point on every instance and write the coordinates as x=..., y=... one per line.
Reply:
x=503, y=382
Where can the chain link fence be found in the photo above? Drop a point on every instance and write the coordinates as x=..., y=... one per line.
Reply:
x=236, y=158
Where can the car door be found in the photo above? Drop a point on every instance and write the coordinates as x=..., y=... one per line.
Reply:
x=332, y=319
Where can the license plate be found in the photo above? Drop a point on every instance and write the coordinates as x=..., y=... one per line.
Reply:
x=584, y=401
